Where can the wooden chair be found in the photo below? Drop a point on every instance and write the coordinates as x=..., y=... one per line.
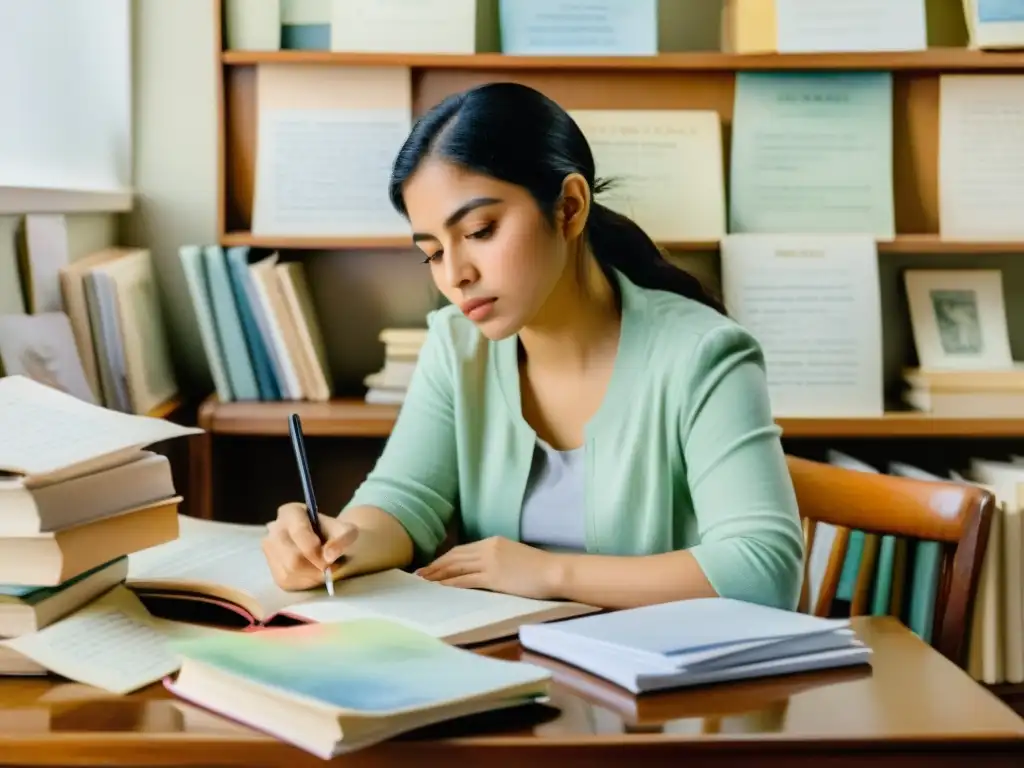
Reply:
x=956, y=515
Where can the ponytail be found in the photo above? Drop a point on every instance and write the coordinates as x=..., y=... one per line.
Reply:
x=619, y=243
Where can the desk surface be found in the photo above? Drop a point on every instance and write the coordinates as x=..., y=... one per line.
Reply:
x=911, y=702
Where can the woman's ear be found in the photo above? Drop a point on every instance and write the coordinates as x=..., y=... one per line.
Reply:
x=573, y=206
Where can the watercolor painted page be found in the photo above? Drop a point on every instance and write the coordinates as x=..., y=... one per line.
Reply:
x=367, y=667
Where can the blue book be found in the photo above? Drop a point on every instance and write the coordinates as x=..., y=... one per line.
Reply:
x=228, y=326
x=263, y=368
x=306, y=25
x=570, y=28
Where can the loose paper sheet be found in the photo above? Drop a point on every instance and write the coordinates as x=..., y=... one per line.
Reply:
x=327, y=139
x=45, y=431
x=668, y=169
x=112, y=643
x=851, y=25
x=981, y=157
x=812, y=153
x=813, y=304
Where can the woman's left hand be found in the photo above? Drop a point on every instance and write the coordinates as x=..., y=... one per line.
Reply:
x=497, y=564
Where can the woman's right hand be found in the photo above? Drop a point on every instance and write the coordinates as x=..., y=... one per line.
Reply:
x=295, y=555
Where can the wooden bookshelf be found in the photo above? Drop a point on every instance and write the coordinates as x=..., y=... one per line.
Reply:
x=934, y=59
x=352, y=417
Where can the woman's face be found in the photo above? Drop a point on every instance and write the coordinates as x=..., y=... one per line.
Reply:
x=489, y=249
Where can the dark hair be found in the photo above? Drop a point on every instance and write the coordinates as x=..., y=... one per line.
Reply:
x=516, y=134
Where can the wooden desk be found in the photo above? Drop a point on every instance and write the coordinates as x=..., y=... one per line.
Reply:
x=913, y=707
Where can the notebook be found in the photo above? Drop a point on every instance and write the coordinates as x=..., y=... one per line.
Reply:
x=217, y=573
x=694, y=642
x=334, y=688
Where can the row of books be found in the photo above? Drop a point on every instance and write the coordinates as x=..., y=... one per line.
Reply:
x=257, y=323
x=903, y=575
x=811, y=152
x=619, y=27
x=814, y=303
x=91, y=326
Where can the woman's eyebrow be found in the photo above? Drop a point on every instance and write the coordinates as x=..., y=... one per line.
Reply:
x=457, y=215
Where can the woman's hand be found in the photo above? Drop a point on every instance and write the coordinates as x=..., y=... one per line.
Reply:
x=295, y=555
x=497, y=564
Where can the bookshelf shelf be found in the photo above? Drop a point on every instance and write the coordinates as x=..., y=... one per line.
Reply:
x=313, y=243
x=343, y=417
x=934, y=59
x=351, y=417
x=923, y=244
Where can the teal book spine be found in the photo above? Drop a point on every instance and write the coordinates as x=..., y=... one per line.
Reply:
x=229, y=326
x=238, y=273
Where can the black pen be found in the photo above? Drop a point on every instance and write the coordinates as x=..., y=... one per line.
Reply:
x=295, y=430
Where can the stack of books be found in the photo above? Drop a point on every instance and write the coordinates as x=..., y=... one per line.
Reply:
x=401, y=351
x=79, y=492
x=975, y=394
x=696, y=642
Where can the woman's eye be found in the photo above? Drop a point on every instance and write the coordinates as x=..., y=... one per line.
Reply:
x=432, y=257
x=482, y=233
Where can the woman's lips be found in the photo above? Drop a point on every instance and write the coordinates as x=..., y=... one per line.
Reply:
x=477, y=309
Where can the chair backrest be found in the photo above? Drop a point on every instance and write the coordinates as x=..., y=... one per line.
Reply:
x=955, y=515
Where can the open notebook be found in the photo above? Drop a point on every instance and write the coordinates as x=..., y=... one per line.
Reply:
x=335, y=688
x=216, y=572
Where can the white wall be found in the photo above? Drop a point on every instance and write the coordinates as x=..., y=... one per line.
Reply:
x=175, y=155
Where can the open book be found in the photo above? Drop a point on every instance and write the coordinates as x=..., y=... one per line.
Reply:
x=216, y=572
x=335, y=688
x=61, y=436
x=695, y=642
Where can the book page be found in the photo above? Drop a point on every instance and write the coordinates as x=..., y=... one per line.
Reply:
x=810, y=26
x=211, y=554
x=327, y=139
x=981, y=157
x=813, y=303
x=53, y=432
x=812, y=152
x=112, y=643
x=415, y=602
x=667, y=169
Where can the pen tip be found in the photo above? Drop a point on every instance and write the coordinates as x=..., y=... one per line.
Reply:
x=330, y=583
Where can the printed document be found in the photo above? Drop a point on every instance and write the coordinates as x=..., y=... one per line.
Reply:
x=813, y=303
x=812, y=153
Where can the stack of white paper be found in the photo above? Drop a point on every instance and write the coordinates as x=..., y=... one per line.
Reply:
x=694, y=642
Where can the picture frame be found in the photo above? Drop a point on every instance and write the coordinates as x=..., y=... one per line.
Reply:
x=958, y=318
x=42, y=347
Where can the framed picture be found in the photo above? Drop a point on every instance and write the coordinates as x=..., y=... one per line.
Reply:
x=42, y=347
x=959, y=318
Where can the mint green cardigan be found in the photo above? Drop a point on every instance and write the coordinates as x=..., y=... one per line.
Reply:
x=683, y=452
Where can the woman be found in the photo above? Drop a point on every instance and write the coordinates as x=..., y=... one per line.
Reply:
x=584, y=412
